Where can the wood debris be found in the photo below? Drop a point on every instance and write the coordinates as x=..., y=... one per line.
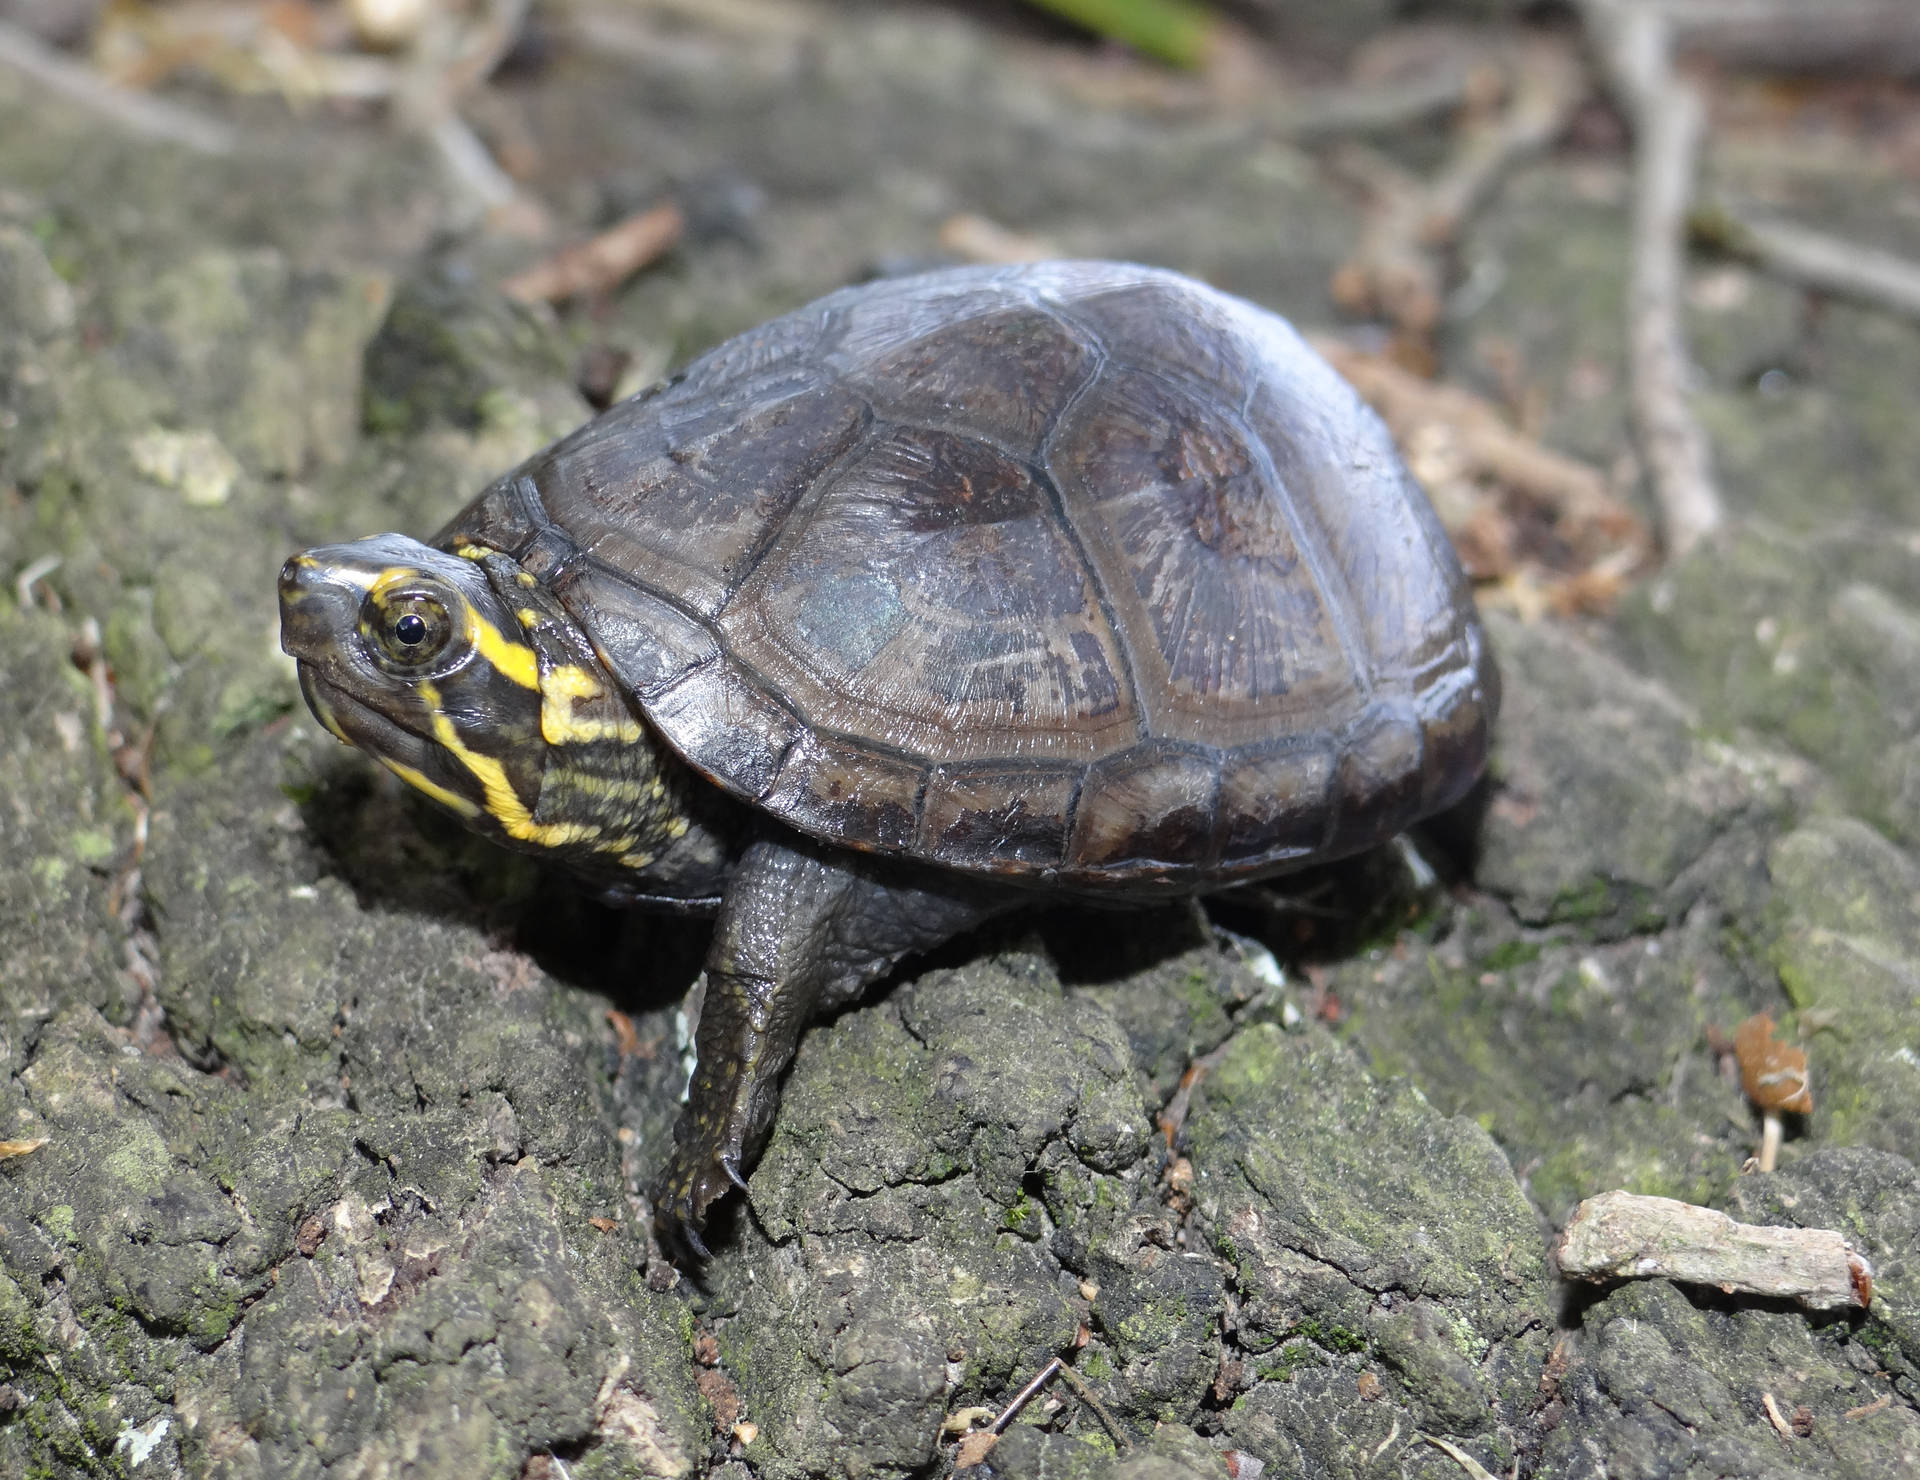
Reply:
x=1398, y=268
x=1812, y=259
x=1668, y=116
x=977, y=239
x=601, y=264
x=1522, y=515
x=1625, y=1236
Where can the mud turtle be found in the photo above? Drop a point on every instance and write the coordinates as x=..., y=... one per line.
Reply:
x=881, y=617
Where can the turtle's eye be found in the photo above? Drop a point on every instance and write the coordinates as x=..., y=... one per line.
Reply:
x=410, y=628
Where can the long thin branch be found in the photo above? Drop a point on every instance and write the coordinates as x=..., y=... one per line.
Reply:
x=1634, y=43
x=1879, y=38
x=1396, y=268
x=149, y=117
x=1813, y=259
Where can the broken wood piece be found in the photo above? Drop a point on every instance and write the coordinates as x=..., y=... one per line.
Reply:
x=1625, y=1236
x=1873, y=38
x=1668, y=116
x=1545, y=85
x=1812, y=259
x=602, y=263
x=148, y=117
x=1477, y=467
x=1396, y=269
x=978, y=239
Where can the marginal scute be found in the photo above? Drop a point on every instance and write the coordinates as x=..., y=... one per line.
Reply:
x=506, y=517
x=1003, y=817
x=1151, y=807
x=1274, y=806
x=647, y=642
x=1377, y=785
x=828, y=787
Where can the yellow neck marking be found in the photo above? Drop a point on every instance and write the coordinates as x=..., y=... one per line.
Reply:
x=503, y=802
x=514, y=659
x=563, y=686
x=433, y=789
x=323, y=711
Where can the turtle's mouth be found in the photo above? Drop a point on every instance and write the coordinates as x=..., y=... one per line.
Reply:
x=416, y=760
x=349, y=719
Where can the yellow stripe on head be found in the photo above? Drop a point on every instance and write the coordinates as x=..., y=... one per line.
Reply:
x=433, y=789
x=515, y=660
x=503, y=802
x=323, y=711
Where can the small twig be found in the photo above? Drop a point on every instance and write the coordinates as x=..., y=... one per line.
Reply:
x=1025, y=1396
x=1874, y=37
x=448, y=64
x=1373, y=108
x=1878, y=1405
x=1777, y=1418
x=1668, y=116
x=1475, y=1470
x=601, y=264
x=34, y=573
x=150, y=117
x=1624, y=1236
x=1396, y=268
x=1079, y=1385
x=1812, y=259
x=1546, y=85
x=1174, y=1116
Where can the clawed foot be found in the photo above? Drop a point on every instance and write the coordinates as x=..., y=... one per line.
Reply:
x=693, y=1181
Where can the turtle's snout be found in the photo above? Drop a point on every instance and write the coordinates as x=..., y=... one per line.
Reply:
x=313, y=607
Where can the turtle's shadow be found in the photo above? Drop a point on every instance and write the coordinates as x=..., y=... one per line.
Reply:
x=402, y=855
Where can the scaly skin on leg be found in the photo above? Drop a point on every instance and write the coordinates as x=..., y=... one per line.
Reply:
x=802, y=931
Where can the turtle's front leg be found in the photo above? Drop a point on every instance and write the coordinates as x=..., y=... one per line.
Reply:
x=802, y=930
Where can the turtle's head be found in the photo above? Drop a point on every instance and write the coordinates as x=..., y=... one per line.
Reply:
x=463, y=677
x=409, y=653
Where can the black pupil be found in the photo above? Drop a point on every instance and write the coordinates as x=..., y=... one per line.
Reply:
x=411, y=629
